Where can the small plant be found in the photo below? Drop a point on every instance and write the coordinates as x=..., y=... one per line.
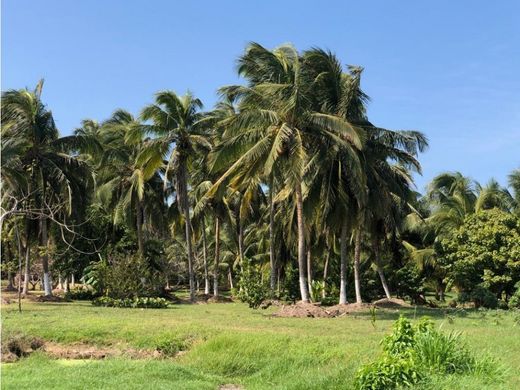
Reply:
x=514, y=301
x=171, y=347
x=412, y=353
x=251, y=289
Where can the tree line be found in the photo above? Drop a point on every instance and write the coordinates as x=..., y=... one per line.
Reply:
x=286, y=175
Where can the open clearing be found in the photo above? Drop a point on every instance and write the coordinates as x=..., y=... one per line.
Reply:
x=228, y=345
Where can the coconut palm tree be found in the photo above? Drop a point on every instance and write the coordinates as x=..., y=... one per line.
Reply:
x=277, y=128
x=52, y=176
x=176, y=123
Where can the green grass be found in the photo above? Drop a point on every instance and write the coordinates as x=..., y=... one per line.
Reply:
x=230, y=343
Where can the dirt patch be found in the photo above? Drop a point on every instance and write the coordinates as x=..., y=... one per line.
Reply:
x=302, y=310
x=219, y=299
x=6, y=301
x=392, y=303
x=341, y=310
x=86, y=351
x=230, y=387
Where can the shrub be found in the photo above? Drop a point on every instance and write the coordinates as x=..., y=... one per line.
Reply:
x=171, y=347
x=413, y=352
x=143, y=302
x=389, y=372
x=514, y=301
x=251, y=289
x=81, y=294
x=481, y=297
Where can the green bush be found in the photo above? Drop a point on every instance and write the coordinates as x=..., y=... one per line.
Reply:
x=412, y=353
x=481, y=297
x=389, y=372
x=81, y=294
x=251, y=289
x=143, y=302
x=514, y=301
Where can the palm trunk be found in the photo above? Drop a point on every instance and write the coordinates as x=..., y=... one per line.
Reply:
x=309, y=273
x=139, y=228
x=27, y=268
x=72, y=281
x=343, y=265
x=205, y=258
x=272, y=259
x=20, y=254
x=380, y=270
x=304, y=292
x=325, y=272
x=230, y=278
x=217, y=256
x=47, y=281
x=357, y=255
x=182, y=194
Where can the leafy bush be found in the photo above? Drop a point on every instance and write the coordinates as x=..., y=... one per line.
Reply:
x=514, y=301
x=412, y=353
x=481, y=297
x=124, y=276
x=81, y=294
x=389, y=372
x=143, y=302
x=251, y=289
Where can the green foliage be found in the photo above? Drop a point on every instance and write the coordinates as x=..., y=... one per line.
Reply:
x=124, y=276
x=138, y=302
x=172, y=346
x=251, y=289
x=409, y=283
x=485, y=251
x=81, y=294
x=514, y=301
x=413, y=353
x=481, y=297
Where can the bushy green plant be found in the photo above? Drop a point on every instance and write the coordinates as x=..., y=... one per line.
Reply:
x=81, y=294
x=414, y=352
x=251, y=289
x=389, y=372
x=481, y=297
x=514, y=301
x=142, y=302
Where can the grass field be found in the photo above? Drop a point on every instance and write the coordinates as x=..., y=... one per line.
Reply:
x=232, y=344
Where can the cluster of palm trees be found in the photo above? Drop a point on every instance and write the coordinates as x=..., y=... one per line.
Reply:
x=286, y=166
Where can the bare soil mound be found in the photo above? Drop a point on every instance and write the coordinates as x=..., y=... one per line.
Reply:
x=340, y=310
x=302, y=310
x=392, y=303
x=6, y=301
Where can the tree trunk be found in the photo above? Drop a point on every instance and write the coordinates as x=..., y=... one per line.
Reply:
x=182, y=197
x=304, y=292
x=309, y=273
x=66, y=284
x=205, y=258
x=357, y=255
x=72, y=281
x=343, y=264
x=20, y=254
x=380, y=270
x=47, y=281
x=272, y=259
x=139, y=226
x=217, y=256
x=325, y=272
x=27, y=268
x=230, y=277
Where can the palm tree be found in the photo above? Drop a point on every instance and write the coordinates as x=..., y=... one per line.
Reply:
x=514, y=183
x=277, y=128
x=53, y=177
x=126, y=187
x=176, y=125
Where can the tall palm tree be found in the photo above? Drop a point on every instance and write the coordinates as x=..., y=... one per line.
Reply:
x=125, y=186
x=53, y=176
x=277, y=128
x=176, y=124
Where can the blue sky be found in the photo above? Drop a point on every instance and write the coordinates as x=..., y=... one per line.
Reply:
x=447, y=68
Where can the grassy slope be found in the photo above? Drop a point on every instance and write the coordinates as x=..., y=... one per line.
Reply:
x=233, y=344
